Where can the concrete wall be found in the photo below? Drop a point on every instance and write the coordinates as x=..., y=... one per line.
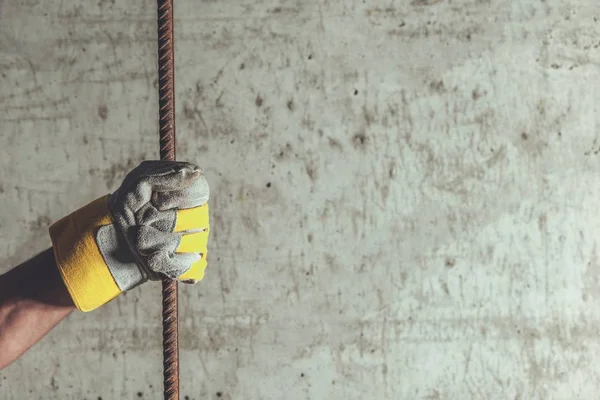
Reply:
x=404, y=194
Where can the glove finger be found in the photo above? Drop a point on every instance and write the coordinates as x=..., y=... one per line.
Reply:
x=172, y=265
x=161, y=168
x=149, y=240
x=173, y=176
x=162, y=175
x=195, y=273
x=152, y=176
x=194, y=195
x=192, y=218
x=161, y=220
x=193, y=243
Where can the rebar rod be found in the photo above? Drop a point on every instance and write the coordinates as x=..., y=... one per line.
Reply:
x=166, y=102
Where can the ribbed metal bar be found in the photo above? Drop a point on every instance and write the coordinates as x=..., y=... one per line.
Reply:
x=166, y=101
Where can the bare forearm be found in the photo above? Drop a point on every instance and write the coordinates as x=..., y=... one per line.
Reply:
x=33, y=299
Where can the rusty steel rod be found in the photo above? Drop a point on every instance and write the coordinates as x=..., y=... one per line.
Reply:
x=166, y=112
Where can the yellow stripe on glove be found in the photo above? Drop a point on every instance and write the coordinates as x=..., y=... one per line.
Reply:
x=196, y=242
x=192, y=218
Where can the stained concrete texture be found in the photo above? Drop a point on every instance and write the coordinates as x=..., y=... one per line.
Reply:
x=404, y=194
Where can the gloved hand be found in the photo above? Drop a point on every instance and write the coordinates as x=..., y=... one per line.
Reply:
x=156, y=224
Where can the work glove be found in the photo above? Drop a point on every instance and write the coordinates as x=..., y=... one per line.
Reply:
x=155, y=225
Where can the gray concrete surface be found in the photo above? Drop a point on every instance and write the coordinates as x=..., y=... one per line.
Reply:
x=405, y=194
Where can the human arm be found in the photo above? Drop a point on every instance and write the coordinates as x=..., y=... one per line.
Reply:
x=33, y=300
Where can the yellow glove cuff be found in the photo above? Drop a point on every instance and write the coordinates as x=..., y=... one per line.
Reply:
x=79, y=261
